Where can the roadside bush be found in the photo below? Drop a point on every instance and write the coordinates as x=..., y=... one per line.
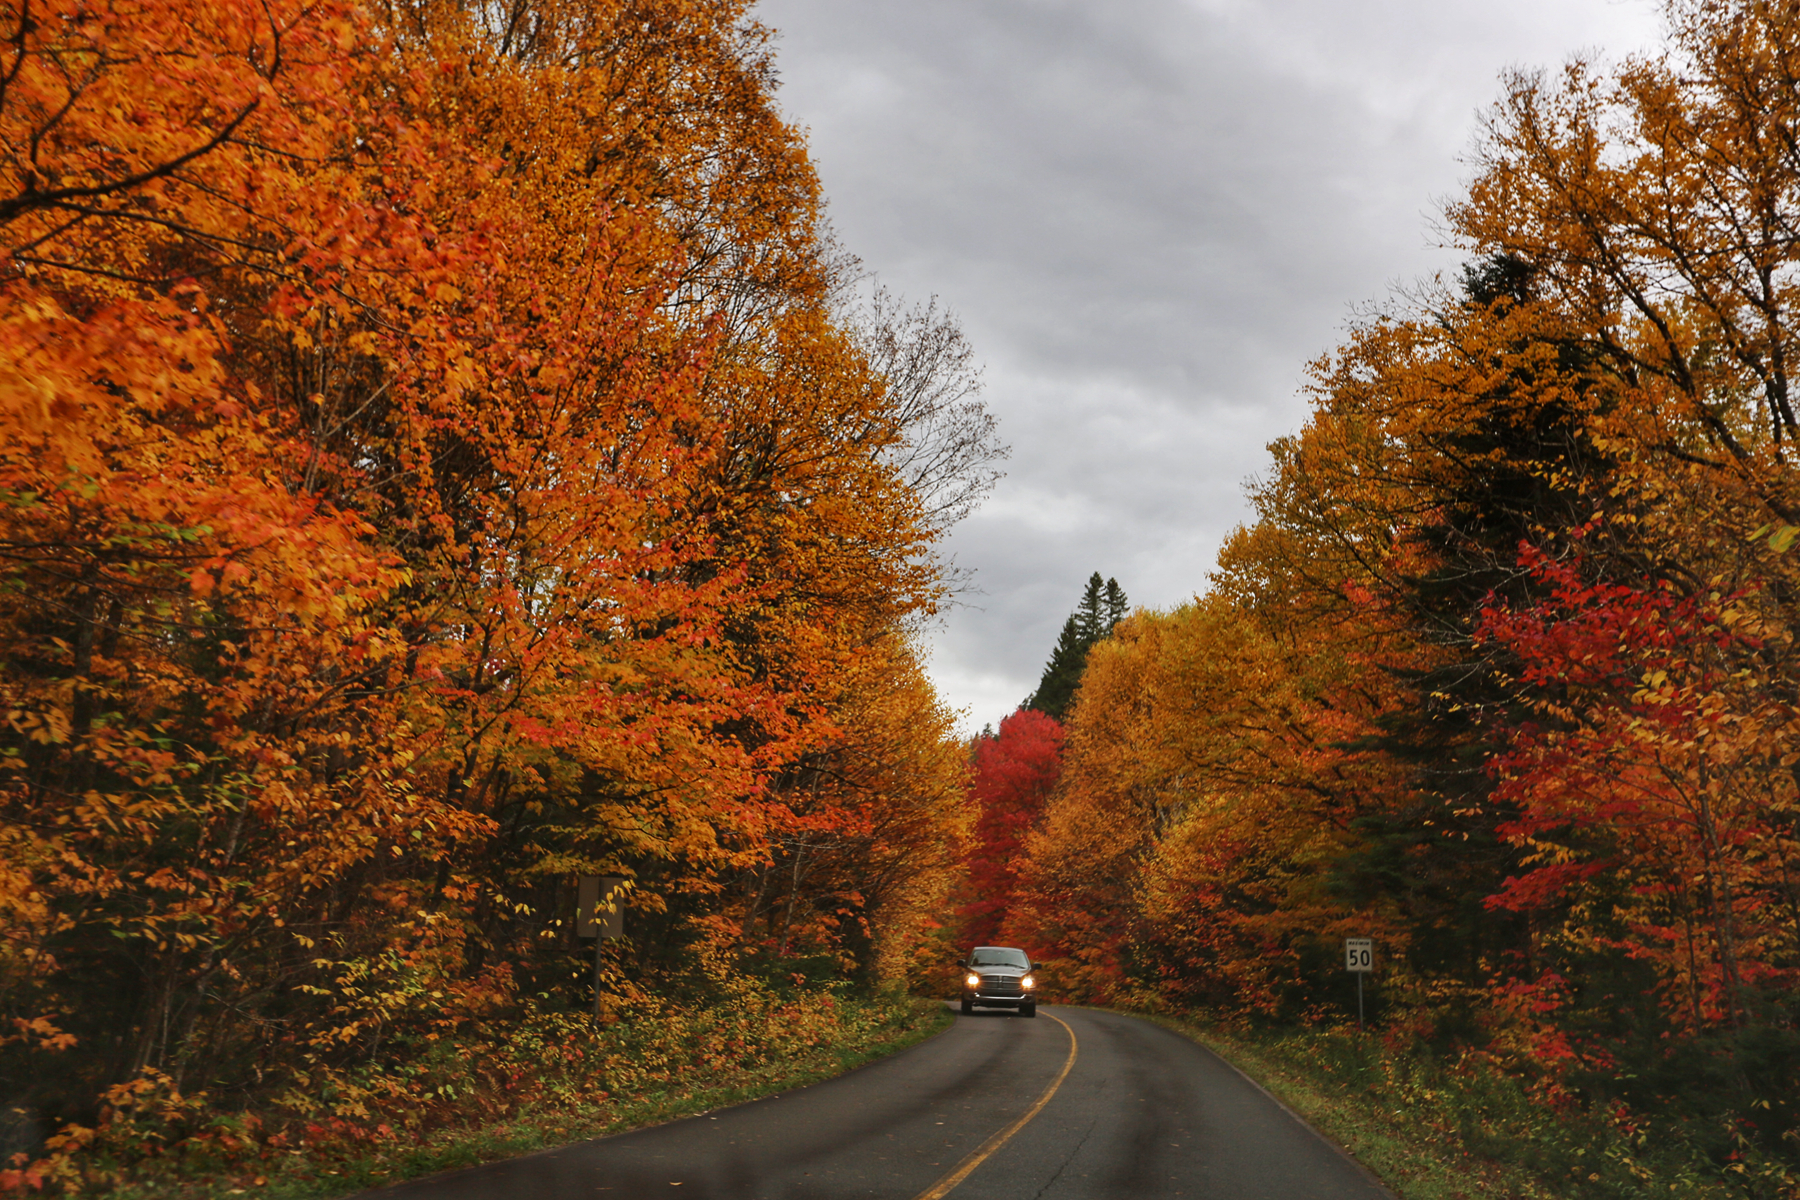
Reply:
x=1500, y=1133
x=547, y=1077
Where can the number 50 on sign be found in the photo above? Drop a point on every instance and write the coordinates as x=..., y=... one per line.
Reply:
x=1359, y=954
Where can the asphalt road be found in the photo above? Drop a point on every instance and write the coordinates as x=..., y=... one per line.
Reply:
x=1140, y=1112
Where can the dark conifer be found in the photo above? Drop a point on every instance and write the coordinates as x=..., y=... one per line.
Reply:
x=1536, y=471
x=1116, y=604
x=1102, y=606
x=1090, y=615
x=1062, y=674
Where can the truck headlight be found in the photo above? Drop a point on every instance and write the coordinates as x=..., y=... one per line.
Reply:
x=973, y=981
x=1028, y=982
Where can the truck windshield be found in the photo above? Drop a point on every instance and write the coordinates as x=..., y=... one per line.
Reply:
x=997, y=956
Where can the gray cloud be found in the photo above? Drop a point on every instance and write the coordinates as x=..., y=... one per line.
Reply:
x=1150, y=215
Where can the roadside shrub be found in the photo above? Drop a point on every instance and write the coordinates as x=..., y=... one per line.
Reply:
x=557, y=1071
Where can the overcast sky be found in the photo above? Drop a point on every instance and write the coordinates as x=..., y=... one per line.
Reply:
x=1149, y=215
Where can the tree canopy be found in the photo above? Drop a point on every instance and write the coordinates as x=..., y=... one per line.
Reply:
x=439, y=459
x=1502, y=673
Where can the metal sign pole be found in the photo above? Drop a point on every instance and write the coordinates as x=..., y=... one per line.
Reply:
x=1359, y=1019
x=599, y=914
x=598, y=943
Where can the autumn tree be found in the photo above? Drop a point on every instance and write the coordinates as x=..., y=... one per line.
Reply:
x=950, y=448
x=1014, y=772
x=1206, y=796
x=1503, y=669
x=1440, y=442
x=1599, y=405
x=1654, y=772
x=858, y=877
x=435, y=468
x=1652, y=204
x=1657, y=206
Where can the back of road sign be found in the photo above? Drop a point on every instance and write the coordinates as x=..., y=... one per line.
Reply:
x=599, y=910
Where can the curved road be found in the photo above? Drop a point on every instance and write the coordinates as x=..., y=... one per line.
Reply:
x=1140, y=1112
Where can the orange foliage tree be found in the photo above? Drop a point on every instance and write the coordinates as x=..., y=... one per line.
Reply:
x=1503, y=671
x=436, y=463
x=1206, y=795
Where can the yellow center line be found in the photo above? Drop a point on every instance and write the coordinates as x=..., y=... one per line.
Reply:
x=986, y=1150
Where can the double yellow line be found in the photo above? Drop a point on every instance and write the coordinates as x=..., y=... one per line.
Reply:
x=942, y=1187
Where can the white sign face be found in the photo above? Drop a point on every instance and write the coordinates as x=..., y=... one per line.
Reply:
x=1359, y=954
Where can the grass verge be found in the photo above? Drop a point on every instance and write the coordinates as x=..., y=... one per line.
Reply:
x=302, y=1175
x=1439, y=1131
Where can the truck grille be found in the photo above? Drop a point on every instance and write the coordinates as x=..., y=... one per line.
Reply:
x=1000, y=984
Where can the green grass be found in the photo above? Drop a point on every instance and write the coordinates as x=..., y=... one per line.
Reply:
x=300, y=1177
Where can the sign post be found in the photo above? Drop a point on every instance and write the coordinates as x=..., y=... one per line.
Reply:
x=599, y=914
x=1359, y=958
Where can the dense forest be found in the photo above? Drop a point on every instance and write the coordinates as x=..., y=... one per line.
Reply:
x=1503, y=672
x=443, y=454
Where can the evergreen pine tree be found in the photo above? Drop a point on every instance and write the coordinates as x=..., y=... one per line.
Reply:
x=1062, y=674
x=1537, y=471
x=1090, y=616
x=1115, y=604
x=1102, y=607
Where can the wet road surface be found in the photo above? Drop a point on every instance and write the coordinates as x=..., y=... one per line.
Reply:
x=1141, y=1112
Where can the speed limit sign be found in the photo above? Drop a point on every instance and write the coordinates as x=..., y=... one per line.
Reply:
x=1359, y=954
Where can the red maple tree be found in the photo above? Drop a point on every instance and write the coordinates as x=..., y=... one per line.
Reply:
x=1015, y=771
